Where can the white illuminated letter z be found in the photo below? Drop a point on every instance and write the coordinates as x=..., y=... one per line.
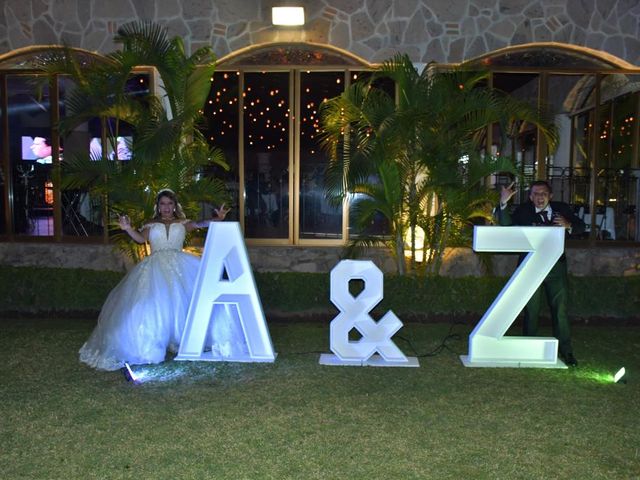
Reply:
x=488, y=347
x=225, y=309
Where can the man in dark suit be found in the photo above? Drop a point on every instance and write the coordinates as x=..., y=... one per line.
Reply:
x=540, y=210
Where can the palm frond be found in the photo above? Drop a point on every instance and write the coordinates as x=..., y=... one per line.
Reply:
x=423, y=148
x=83, y=172
x=168, y=150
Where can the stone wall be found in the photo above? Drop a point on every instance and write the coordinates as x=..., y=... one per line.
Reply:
x=427, y=30
x=458, y=262
x=63, y=255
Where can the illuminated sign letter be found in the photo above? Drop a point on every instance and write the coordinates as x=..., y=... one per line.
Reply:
x=487, y=345
x=354, y=314
x=225, y=311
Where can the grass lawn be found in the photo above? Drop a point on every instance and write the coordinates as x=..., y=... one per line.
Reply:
x=297, y=419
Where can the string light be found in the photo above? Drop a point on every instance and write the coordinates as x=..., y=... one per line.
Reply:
x=266, y=110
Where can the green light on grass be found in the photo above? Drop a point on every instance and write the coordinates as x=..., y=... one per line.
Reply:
x=595, y=375
x=599, y=375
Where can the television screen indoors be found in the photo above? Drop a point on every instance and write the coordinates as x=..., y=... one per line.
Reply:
x=123, y=148
x=36, y=149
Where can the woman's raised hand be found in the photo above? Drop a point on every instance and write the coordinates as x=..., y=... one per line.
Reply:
x=124, y=222
x=221, y=212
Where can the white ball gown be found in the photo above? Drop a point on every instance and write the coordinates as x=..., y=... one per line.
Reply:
x=145, y=314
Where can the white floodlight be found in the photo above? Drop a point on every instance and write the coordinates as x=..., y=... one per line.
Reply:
x=287, y=16
x=128, y=373
x=619, y=376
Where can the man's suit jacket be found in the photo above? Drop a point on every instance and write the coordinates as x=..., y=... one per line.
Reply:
x=525, y=215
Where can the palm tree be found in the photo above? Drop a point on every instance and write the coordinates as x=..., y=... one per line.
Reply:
x=168, y=149
x=423, y=148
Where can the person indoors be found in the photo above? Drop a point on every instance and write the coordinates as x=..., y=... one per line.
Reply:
x=541, y=210
x=145, y=314
x=41, y=148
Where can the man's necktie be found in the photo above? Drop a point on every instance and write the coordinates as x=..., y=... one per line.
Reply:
x=545, y=218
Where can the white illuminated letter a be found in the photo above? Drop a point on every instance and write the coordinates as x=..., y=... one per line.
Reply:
x=225, y=311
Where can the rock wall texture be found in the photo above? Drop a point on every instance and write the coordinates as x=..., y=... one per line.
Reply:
x=427, y=30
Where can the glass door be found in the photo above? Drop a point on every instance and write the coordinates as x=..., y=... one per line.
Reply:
x=317, y=218
x=266, y=142
x=30, y=156
x=268, y=125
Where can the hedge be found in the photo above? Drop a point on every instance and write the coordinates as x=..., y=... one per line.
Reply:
x=28, y=290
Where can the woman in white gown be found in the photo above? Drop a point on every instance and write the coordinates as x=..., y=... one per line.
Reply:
x=145, y=314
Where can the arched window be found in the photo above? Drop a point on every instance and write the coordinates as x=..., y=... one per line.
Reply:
x=595, y=100
x=32, y=204
x=263, y=112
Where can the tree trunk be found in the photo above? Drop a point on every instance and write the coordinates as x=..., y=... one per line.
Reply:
x=399, y=246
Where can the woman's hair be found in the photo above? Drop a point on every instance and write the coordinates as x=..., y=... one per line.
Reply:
x=170, y=194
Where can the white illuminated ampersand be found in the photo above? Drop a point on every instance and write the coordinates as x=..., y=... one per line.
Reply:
x=488, y=347
x=354, y=313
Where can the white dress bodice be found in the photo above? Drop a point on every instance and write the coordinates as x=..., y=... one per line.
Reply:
x=166, y=237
